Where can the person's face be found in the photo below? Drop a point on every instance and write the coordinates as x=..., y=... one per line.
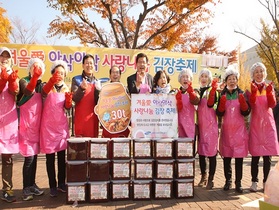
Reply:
x=184, y=80
x=5, y=60
x=231, y=81
x=61, y=72
x=258, y=74
x=204, y=80
x=115, y=74
x=162, y=81
x=88, y=66
x=141, y=65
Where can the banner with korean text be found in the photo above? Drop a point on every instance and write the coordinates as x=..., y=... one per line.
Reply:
x=154, y=116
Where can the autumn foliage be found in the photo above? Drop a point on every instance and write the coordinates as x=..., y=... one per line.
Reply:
x=5, y=27
x=175, y=25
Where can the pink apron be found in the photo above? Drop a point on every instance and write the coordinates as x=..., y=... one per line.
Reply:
x=29, y=130
x=263, y=135
x=186, y=118
x=54, y=124
x=234, y=135
x=208, y=130
x=85, y=115
x=8, y=123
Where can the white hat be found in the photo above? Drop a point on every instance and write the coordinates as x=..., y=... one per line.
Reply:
x=36, y=60
x=207, y=72
x=3, y=49
x=58, y=63
x=231, y=70
x=254, y=66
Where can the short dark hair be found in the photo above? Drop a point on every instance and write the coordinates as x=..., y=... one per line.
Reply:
x=141, y=55
x=112, y=67
x=87, y=56
x=157, y=77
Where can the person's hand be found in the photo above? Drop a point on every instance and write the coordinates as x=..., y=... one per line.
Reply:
x=13, y=76
x=84, y=84
x=98, y=85
x=214, y=85
x=254, y=88
x=68, y=100
x=189, y=88
x=222, y=103
x=56, y=77
x=179, y=103
x=269, y=88
x=37, y=72
x=4, y=74
x=242, y=102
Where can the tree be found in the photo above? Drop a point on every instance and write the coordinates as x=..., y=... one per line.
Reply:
x=134, y=24
x=268, y=46
x=5, y=27
x=22, y=34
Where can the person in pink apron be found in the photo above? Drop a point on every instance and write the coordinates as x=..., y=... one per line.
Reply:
x=54, y=125
x=30, y=110
x=8, y=121
x=186, y=99
x=263, y=139
x=233, y=108
x=208, y=127
x=85, y=90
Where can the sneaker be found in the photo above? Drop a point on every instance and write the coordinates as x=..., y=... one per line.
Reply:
x=62, y=188
x=35, y=190
x=8, y=196
x=26, y=194
x=53, y=192
x=254, y=187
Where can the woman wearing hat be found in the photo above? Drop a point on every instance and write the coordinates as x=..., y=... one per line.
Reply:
x=31, y=105
x=54, y=125
x=208, y=127
x=233, y=107
x=263, y=135
x=8, y=121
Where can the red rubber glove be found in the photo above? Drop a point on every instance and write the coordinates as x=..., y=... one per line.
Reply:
x=13, y=84
x=271, y=100
x=222, y=103
x=211, y=97
x=179, y=103
x=68, y=100
x=191, y=92
x=51, y=82
x=4, y=78
x=37, y=72
x=254, y=90
x=242, y=102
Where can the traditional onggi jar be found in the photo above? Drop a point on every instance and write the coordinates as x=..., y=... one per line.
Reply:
x=99, y=148
x=120, y=190
x=121, y=148
x=142, y=148
x=77, y=171
x=76, y=192
x=99, y=170
x=163, y=189
x=142, y=189
x=99, y=191
x=114, y=108
x=121, y=169
x=164, y=169
x=184, y=188
x=143, y=168
x=184, y=168
x=184, y=148
x=163, y=148
x=77, y=148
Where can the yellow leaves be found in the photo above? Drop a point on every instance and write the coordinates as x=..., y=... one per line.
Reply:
x=5, y=27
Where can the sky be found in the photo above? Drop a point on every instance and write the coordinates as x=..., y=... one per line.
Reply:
x=241, y=15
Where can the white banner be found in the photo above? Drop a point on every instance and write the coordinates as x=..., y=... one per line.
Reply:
x=154, y=116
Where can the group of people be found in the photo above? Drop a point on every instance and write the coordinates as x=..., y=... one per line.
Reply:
x=33, y=119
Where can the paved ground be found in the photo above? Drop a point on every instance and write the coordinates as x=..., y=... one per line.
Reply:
x=203, y=199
